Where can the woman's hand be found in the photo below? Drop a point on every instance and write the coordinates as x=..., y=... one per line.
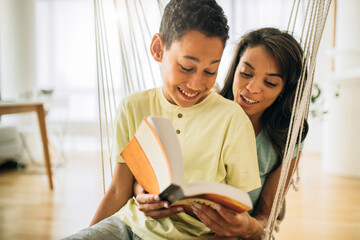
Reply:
x=226, y=223
x=152, y=206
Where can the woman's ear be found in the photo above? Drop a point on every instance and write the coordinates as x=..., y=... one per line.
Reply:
x=157, y=47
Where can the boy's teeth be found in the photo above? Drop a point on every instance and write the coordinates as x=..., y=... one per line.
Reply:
x=188, y=94
x=249, y=101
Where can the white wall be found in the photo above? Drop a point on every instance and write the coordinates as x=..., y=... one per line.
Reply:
x=18, y=64
x=341, y=145
x=314, y=140
x=17, y=53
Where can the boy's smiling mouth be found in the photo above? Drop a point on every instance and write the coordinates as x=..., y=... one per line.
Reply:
x=187, y=94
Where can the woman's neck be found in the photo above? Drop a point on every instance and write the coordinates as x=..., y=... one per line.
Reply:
x=257, y=125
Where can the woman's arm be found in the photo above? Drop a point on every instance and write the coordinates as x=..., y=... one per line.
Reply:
x=225, y=223
x=119, y=192
x=266, y=200
x=263, y=208
x=228, y=224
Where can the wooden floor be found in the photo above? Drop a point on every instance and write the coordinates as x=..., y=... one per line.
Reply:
x=326, y=207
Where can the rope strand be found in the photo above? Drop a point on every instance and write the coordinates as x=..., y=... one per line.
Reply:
x=315, y=28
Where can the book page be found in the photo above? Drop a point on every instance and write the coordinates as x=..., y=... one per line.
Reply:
x=218, y=192
x=154, y=152
x=171, y=144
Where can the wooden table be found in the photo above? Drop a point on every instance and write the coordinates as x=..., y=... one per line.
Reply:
x=11, y=107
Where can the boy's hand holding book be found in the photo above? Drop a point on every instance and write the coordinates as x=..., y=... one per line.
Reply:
x=152, y=206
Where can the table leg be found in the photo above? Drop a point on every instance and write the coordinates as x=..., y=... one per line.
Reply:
x=41, y=117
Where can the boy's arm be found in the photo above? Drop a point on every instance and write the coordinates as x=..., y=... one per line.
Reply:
x=119, y=192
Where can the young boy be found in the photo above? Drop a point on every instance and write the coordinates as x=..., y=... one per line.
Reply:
x=216, y=137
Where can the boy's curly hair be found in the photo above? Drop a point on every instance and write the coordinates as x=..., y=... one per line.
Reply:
x=182, y=16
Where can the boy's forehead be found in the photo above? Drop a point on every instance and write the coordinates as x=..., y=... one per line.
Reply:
x=195, y=59
x=197, y=37
x=195, y=44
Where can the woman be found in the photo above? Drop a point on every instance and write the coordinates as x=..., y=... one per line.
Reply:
x=262, y=79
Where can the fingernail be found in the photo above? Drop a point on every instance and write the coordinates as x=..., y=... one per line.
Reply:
x=156, y=197
x=194, y=208
x=166, y=205
x=180, y=209
x=196, y=205
x=217, y=206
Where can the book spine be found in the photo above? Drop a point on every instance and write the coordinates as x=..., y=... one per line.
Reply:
x=172, y=193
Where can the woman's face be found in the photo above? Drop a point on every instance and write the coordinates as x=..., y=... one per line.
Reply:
x=257, y=81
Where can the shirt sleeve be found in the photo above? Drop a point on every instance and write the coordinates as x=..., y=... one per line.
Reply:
x=296, y=149
x=240, y=156
x=122, y=132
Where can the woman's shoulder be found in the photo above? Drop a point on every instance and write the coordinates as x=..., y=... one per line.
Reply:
x=264, y=145
x=263, y=137
x=266, y=153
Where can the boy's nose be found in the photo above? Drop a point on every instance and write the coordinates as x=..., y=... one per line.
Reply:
x=195, y=83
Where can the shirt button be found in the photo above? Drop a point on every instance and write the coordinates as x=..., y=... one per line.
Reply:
x=178, y=131
x=180, y=115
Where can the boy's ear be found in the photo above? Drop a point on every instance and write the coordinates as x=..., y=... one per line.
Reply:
x=157, y=47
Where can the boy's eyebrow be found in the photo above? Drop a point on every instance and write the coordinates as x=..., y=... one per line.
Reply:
x=270, y=74
x=198, y=60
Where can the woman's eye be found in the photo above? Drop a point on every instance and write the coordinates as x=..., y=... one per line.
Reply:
x=270, y=84
x=186, y=69
x=246, y=75
x=210, y=73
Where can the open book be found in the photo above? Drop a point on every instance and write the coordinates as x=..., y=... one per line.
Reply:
x=155, y=158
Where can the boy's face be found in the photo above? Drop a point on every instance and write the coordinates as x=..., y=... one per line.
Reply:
x=189, y=67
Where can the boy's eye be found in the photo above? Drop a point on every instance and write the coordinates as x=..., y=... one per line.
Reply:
x=270, y=84
x=246, y=75
x=186, y=69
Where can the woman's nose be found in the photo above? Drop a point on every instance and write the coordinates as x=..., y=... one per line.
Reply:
x=254, y=86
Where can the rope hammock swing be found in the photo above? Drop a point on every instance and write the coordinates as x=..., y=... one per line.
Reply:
x=312, y=29
x=135, y=69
